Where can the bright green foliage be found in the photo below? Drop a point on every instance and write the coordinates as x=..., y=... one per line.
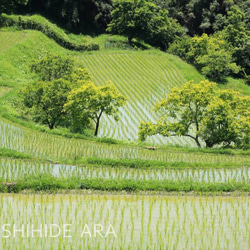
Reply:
x=227, y=120
x=142, y=19
x=52, y=67
x=217, y=64
x=46, y=101
x=202, y=112
x=80, y=75
x=185, y=106
x=91, y=102
x=212, y=55
x=235, y=31
x=200, y=46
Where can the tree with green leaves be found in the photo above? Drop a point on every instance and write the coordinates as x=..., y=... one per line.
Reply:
x=217, y=64
x=203, y=113
x=142, y=19
x=51, y=67
x=237, y=35
x=212, y=55
x=235, y=32
x=227, y=120
x=46, y=100
x=91, y=102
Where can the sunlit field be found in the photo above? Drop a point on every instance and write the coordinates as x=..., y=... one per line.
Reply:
x=14, y=169
x=10, y=39
x=145, y=78
x=57, y=147
x=60, y=190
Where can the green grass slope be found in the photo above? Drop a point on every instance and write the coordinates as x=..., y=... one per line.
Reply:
x=10, y=39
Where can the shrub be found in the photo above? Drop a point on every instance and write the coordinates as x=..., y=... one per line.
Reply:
x=50, y=30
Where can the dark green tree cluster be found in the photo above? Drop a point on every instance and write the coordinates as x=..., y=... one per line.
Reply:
x=142, y=19
x=199, y=16
x=195, y=16
x=220, y=54
x=65, y=96
x=74, y=15
x=8, y=6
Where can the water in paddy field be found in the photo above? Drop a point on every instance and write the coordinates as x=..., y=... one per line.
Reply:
x=128, y=126
x=55, y=147
x=138, y=222
x=11, y=170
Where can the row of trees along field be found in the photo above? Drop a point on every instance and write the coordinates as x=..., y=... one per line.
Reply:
x=65, y=96
x=212, y=35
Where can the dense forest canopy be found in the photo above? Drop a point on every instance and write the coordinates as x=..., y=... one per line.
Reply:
x=174, y=25
x=77, y=16
x=196, y=16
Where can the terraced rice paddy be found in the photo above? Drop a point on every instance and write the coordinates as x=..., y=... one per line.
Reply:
x=12, y=170
x=145, y=78
x=138, y=222
x=55, y=147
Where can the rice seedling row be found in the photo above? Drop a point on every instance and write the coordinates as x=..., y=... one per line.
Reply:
x=12, y=170
x=135, y=76
x=61, y=148
x=138, y=222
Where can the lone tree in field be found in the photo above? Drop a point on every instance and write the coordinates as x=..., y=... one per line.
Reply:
x=46, y=98
x=142, y=19
x=45, y=101
x=52, y=67
x=202, y=112
x=91, y=102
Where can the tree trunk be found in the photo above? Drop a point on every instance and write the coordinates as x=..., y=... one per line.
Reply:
x=51, y=125
x=208, y=144
x=97, y=127
x=130, y=40
x=197, y=142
